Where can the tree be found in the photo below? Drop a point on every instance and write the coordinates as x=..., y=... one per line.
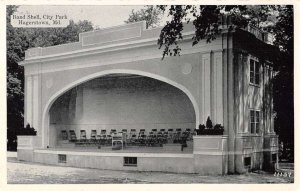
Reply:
x=18, y=40
x=150, y=14
x=16, y=44
x=206, y=19
x=284, y=80
x=43, y=37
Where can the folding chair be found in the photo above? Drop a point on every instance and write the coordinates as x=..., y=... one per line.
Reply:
x=161, y=136
x=124, y=131
x=189, y=133
x=142, y=138
x=82, y=140
x=73, y=137
x=184, y=137
x=132, y=137
x=109, y=136
x=170, y=135
x=102, y=137
x=154, y=131
x=166, y=136
x=152, y=138
x=64, y=135
x=117, y=138
x=113, y=131
x=93, y=137
x=177, y=135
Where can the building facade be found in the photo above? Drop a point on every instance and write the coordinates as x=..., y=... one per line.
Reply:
x=115, y=78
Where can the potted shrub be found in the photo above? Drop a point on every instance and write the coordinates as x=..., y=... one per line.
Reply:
x=219, y=129
x=209, y=129
x=209, y=123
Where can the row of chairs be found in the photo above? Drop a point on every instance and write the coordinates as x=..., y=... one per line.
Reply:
x=153, y=137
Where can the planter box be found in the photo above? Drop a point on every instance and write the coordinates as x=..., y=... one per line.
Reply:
x=28, y=141
x=26, y=145
x=210, y=154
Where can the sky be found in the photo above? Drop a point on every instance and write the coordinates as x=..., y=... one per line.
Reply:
x=101, y=16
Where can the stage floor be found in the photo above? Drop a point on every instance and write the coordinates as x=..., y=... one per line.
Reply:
x=127, y=149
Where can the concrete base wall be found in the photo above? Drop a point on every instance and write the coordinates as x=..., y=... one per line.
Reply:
x=256, y=162
x=25, y=155
x=203, y=161
x=271, y=152
x=181, y=163
x=210, y=154
x=176, y=165
x=208, y=164
x=249, y=146
x=209, y=157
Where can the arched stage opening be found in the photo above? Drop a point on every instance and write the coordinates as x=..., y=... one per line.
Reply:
x=120, y=100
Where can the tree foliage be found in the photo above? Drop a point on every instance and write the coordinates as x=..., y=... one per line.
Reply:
x=149, y=13
x=16, y=45
x=18, y=40
x=284, y=80
x=206, y=19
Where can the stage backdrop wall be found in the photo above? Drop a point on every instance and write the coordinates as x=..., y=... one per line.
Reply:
x=130, y=102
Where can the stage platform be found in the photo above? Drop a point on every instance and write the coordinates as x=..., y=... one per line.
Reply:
x=130, y=158
x=169, y=148
x=204, y=155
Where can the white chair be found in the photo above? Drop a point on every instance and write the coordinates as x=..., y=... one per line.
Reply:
x=118, y=138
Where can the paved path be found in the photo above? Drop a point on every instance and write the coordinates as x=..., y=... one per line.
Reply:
x=33, y=173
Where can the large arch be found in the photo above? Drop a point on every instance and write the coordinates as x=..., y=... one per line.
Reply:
x=45, y=114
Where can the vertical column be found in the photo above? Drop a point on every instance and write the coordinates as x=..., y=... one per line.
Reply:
x=246, y=80
x=271, y=101
x=206, y=86
x=225, y=90
x=200, y=91
x=35, y=122
x=238, y=92
x=217, y=89
x=29, y=104
x=46, y=132
x=230, y=106
x=266, y=99
x=266, y=102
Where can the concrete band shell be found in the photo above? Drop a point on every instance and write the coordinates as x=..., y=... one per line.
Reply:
x=215, y=78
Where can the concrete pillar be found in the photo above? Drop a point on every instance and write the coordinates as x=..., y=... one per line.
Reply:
x=217, y=88
x=206, y=92
x=28, y=100
x=238, y=91
x=246, y=80
x=36, y=104
x=230, y=106
x=271, y=102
